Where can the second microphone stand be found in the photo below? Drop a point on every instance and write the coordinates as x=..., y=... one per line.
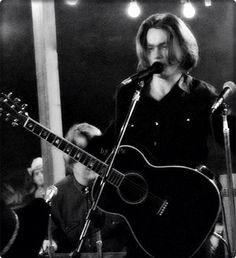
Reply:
x=230, y=185
x=135, y=99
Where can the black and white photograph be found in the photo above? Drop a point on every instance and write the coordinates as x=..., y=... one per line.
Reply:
x=117, y=128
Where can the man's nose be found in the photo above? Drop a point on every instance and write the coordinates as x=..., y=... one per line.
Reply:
x=157, y=53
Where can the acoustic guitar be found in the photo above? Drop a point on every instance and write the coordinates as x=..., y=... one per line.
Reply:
x=170, y=210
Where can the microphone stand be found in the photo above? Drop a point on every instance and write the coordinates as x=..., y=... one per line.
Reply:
x=50, y=247
x=226, y=132
x=135, y=99
x=99, y=244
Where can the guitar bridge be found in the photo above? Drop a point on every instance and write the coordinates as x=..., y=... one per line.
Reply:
x=162, y=209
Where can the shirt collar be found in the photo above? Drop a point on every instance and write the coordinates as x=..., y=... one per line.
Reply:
x=83, y=189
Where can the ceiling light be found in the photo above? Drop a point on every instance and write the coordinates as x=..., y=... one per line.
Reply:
x=188, y=10
x=133, y=9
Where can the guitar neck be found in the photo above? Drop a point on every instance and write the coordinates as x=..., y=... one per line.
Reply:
x=77, y=154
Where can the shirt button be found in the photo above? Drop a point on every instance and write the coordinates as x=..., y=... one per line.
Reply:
x=188, y=119
x=156, y=123
x=155, y=143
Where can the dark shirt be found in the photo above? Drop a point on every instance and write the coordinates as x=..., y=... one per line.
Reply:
x=174, y=130
x=69, y=210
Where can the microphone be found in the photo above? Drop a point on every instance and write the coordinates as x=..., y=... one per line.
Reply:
x=50, y=192
x=156, y=67
x=228, y=88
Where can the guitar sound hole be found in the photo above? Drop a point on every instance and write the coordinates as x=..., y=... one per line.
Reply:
x=133, y=188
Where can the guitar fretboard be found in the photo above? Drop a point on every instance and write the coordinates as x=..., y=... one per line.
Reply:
x=79, y=155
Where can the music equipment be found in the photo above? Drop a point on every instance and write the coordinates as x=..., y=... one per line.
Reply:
x=226, y=202
x=51, y=191
x=228, y=88
x=156, y=67
x=170, y=210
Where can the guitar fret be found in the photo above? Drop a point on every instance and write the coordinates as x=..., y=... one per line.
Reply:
x=62, y=145
x=120, y=178
x=69, y=148
x=78, y=155
x=37, y=129
x=56, y=141
x=30, y=125
x=115, y=178
x=91, y=163
x=82, y=158
x=87, y=160
x=97, y=166
x=44, y=133
x=111, y=177
x=73, y=152
x=51, y=137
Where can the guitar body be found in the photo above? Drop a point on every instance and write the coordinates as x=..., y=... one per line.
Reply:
x=170, y=212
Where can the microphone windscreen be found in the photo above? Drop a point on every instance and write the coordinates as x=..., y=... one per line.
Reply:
x=230, y=85
x=158, y=67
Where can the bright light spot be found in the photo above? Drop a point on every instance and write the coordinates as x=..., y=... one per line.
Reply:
x=133, y=9
x=188, y=10
x=207, y=3
x=72, y=2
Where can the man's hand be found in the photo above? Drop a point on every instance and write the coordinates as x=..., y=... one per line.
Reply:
x=49, y=247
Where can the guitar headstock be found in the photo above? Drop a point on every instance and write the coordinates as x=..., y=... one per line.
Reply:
x=12, y=110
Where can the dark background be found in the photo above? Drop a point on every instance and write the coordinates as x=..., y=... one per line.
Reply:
x=96, y=51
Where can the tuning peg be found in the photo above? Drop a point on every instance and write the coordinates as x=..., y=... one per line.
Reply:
x=24, y=106
x=17, y=100
x=9, y=95
x=15, y=123
x=8, y=116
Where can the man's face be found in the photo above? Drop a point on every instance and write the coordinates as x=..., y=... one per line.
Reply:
x=38, y=176
x=158, y=50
